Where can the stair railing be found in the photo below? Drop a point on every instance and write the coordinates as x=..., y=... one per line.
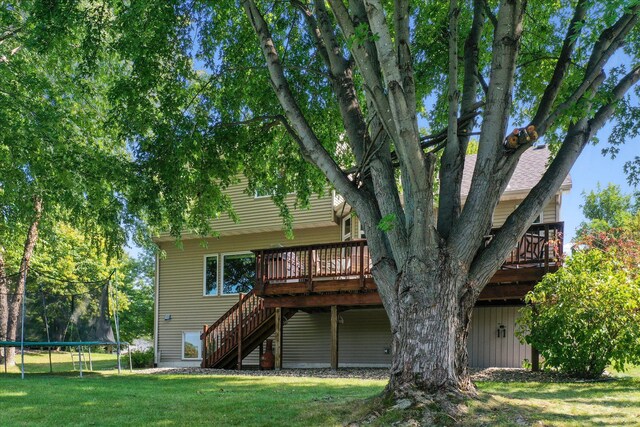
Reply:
x=227, y=333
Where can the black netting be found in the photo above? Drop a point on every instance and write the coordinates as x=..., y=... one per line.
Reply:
x=57, y=310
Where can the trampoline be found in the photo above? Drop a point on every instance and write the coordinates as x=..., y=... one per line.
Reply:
x=62, y=313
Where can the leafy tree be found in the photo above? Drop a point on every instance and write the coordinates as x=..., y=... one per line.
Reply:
x=59, y=160
x=136, y=319
x=295, y=93
x=586, y=315
x=614, y=225
x=606, y=209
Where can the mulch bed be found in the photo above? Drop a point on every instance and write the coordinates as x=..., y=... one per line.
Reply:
x=482, y=375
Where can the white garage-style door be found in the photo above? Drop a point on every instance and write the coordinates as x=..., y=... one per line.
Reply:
x=492, y=341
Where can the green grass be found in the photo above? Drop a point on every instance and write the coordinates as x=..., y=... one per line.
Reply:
x=105, y=398
x=613, y=402
x=137, y=399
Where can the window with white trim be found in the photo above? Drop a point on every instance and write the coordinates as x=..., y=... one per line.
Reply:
x=347, y=222
x=238, y=273
x=191, y=346
x=211, y=275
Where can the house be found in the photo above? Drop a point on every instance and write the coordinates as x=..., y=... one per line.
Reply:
x=314, y=294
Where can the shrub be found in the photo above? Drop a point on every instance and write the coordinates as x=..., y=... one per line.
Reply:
x=142, y=359
x=585, y=316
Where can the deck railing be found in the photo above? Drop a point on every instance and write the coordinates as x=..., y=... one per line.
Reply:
x=232, y=327
x=340, y=260
x=541, y=246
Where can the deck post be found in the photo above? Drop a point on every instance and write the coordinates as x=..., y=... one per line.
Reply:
x=546, y=248
x=362, y=242
x=240, y=333
x=334, y=337
x=535, y=359
x=278, y=339
x=203, y=364
x=310, y=270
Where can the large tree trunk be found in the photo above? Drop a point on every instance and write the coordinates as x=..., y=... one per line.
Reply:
x=15, y=306
x=429, y=336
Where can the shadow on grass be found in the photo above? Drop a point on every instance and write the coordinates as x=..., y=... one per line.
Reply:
x=43, y=399
x=614, y=402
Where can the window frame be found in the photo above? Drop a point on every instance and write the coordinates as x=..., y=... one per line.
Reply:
x=221, y=281
x=182, y=356
x=204, y=275
x=346, y=236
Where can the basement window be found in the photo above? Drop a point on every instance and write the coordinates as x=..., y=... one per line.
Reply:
x=191, y=345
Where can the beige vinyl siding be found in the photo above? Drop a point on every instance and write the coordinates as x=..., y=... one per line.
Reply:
x=504, y=209
x=486, y=349
x=363, y=336
x=181, y=282
x=260, y=214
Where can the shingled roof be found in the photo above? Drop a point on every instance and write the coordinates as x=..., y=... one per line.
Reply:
x=530, y=168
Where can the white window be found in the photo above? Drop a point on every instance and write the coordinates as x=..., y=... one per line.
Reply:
x=211, y=275
x=347, y=222
x=538, y=219
x=191, y=346
x=238, y=273
x=361, y=230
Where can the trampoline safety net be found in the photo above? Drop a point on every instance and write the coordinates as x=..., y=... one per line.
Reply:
x=57, y=311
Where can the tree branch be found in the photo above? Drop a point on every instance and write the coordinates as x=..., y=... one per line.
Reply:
x=608, y=43
x=619, y=91
x=454, y=154
x=307, y=139
x=484, y=194
x=570, y=39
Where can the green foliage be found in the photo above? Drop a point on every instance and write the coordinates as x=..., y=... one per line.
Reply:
x=142, y=359
x=608, y=205
x=585, y=316
x=387, y=222
x=136, y=320
x=54, y=139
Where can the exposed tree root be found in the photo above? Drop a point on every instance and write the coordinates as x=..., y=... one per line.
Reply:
x=413, y=407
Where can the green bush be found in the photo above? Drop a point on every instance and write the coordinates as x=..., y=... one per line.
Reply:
x=142, y=359
x=585, y=316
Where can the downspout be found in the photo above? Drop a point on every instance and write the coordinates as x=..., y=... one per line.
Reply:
x=155, y=311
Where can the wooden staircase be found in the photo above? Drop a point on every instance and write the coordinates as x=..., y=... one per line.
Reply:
x=243, y=327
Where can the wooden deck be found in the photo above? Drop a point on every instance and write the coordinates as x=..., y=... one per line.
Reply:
x=340, y=273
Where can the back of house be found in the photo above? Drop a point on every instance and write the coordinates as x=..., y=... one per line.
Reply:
x=318, y=286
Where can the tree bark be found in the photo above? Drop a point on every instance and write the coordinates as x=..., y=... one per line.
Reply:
x=15, y=305
x=4, y=304
x=429, y=336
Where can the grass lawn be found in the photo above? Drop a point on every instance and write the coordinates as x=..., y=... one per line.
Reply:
x=613, y=402
x=105, y=398
x=136, y=399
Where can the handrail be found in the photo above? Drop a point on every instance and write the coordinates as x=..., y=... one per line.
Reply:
x=350, y=260
x=534, y=247
x=308, y=263
x=227, y=333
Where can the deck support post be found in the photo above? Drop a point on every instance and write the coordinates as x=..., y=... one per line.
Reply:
x=240, y=320
x=535, y=360
x=278, y=339
x=334, y=337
